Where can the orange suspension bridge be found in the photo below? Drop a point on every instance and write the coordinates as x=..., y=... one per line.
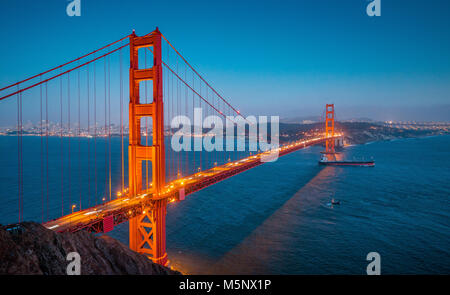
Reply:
x=75, y=106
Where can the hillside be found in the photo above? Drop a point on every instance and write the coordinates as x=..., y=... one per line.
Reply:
x=34, y=249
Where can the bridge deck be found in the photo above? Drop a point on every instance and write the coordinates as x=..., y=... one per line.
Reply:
x=127, y=206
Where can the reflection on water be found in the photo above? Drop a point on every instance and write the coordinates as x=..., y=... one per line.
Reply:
x=256, y=251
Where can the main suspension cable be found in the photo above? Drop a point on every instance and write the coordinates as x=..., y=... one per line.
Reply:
x=65, y=64
x=192, y=68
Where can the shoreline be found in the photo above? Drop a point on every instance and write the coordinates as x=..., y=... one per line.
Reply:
x=350, y=143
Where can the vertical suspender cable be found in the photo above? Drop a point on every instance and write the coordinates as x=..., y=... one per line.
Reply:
x=201, y=130
x=172, y=103
x=209, y=156
x=46, y=141
x=170, y=99
x=79, y=140
x=121, y=121
x=104, y=131
x=69, y=172
x=180, y=166
x=21, y=157
x=186, y=152
x=193, y=120
x=18, y=156
x=61, y=145
x=169, y=117
x=88, y=137
x=42, y=154
x=109, y=124
x=95, y=136
x=176, y=113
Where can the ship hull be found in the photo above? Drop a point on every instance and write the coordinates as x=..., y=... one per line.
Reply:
x=348, y=163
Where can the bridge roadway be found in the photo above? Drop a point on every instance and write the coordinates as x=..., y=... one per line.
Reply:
x=125, y=207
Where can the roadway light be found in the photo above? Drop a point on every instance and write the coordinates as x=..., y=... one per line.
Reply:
x=73, y=207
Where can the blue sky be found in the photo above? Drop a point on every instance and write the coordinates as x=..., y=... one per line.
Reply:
x=284, y=58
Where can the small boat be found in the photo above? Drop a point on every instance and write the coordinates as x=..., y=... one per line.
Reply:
x=335, y=202
x=324, y=161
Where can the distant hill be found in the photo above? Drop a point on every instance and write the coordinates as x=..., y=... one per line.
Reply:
x=301, y=120
x=315, y=119
x=358, y=132
x=359, y=120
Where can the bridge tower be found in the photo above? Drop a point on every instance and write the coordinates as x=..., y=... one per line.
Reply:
x=147, y=230
x=329, y=129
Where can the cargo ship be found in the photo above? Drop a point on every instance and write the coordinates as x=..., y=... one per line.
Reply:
x=324, y=161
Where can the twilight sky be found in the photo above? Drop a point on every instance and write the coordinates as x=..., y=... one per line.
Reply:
x=284, y=58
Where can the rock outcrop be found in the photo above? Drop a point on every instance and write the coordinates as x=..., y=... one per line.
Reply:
x=30, y=248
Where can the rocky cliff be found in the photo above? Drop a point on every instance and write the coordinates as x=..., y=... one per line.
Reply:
x=30, y=248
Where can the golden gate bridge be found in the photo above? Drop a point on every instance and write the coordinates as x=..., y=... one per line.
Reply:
x=79, y=94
